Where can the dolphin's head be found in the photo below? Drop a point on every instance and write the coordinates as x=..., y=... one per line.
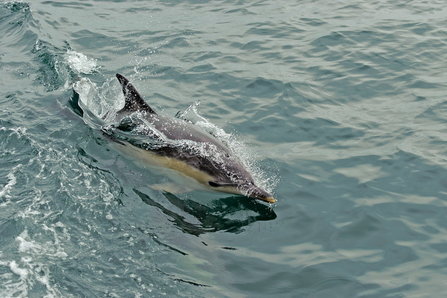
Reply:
x=250, y=190
x=245, y=188
x=227, y=174
x=260, y=194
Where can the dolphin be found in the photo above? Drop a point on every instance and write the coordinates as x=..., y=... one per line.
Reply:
x=183, y=147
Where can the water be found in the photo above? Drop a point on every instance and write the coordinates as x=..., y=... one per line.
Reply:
x=343, y=105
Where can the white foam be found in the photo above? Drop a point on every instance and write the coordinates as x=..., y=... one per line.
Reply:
x=7, y=188
x=23, y=273
x=56, y=249
x=20, y=131
x=80, y=63
x=26, y=244
x=28, y=269
x=11, y=285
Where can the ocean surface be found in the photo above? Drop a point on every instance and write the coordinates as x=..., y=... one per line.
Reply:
x=339, y=108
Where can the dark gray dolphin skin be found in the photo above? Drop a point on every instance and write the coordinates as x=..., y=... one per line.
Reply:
x=218, y=169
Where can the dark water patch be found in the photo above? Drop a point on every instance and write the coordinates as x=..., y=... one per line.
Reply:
x=313, y=22
x=140, y=9
x=166, y=98
x=318, y=130
x=202, y=56
x=277, y=31
x=219, y=216
x=293, y=100
x=264, y=88
x=324, y=74
x=9, y=229
x=146, y=35
x=72, y=5
x=53, y=72
x=243, y=11
x=339, y=287
x=370, y=232
x=202, y=68
x=423, y=29
x=438, y=266
x=409, y=171
x=195, y=3
x=179, y=220
x=361, y=69
x=435, y=113
x=256, y=46
x=299, y=280
x=176, y=42
x=165, y=71
x=90, y=39
x=420, y=84
x=426, y=56
x=440, y=247
x=366, y=38
x=331, y=40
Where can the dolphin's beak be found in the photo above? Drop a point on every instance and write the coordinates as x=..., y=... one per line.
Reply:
x=260, y=194
x=270, y=200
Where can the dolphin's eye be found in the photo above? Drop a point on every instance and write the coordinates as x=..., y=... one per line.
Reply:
x=213, y=184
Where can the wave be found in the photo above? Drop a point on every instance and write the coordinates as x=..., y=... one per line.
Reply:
x=17, y=25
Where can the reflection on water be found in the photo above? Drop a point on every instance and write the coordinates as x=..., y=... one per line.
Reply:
x=213, y=218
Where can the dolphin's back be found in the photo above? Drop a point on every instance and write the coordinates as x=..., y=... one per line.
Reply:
x=171, y=128
x=178, y=129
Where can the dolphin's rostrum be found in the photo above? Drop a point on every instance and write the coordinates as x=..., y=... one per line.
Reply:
x=185, y=148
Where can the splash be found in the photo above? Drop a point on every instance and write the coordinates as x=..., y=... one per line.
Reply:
x=248, y=156
x=28, y=271
x=11, y=182
x=98, y=104
x=80, y=63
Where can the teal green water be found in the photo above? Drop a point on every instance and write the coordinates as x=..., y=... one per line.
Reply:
x=342, y=108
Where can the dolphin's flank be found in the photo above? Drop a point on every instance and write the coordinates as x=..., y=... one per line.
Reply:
x=202, y=157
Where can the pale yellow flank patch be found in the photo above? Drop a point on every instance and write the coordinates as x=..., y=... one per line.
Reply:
x=187, y=171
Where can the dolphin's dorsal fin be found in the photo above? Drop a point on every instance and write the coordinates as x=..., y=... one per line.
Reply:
x=134, y=101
